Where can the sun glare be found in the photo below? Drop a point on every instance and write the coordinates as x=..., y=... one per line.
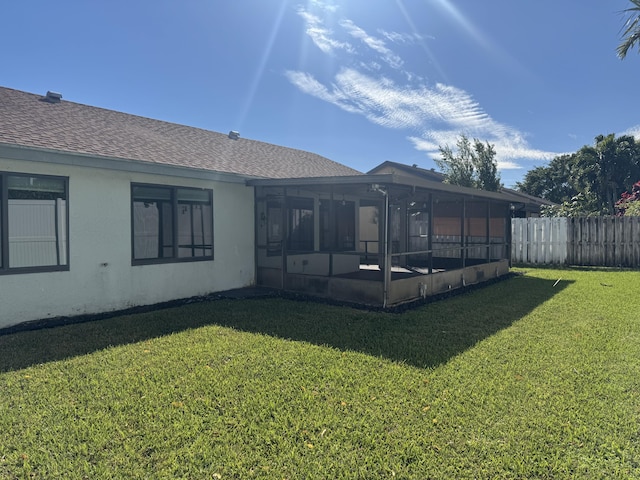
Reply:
x=464, y=22
x=501, y=56
x=261, y=66
x=432, y=58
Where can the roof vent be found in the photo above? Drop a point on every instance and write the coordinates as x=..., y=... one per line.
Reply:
x=233, y=135
x=53, y=97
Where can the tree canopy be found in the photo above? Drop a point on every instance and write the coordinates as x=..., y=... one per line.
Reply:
x=589, y=181
x=471, y=165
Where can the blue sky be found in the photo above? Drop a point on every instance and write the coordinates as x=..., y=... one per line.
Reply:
x=358, y=81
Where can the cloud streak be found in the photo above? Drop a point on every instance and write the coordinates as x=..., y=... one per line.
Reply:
x=376, y=44
x=435, y=114
x=403, y=38
x=320, y=35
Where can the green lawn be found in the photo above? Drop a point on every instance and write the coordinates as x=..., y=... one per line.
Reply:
x=528, y=378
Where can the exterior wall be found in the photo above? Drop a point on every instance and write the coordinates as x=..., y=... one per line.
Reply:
x=336, y=288
x=101, y=277
x=427, y=285
x=318, y=263
x=400, y=291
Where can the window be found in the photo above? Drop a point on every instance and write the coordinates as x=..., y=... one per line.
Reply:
x=171, y=224
x=300, y=224
x=33, y=223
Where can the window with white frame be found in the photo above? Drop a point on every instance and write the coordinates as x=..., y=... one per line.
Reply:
x=33, y=223
x=171, y=224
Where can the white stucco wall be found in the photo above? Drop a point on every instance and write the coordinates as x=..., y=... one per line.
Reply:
x=101, y=277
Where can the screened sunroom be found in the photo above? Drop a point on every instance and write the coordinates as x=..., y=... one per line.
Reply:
x=379, y=240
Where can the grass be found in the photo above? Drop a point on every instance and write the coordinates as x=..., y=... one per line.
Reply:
x=528, y=378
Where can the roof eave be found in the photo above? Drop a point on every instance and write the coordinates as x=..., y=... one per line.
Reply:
x=384, y=179
x=60, y=157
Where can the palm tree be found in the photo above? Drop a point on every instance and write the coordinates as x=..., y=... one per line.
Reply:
x=631, y=34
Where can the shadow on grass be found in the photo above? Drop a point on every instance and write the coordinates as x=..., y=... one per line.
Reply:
x=423, y=337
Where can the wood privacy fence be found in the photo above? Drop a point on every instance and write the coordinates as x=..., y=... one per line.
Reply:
x=592, y=241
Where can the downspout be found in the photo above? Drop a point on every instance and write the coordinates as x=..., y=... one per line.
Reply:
x=284, y=216
x=430, y=237
x=387, y=263
x=387, y=252
x=463, y=241
x=256, y=241
x=488, y=227
x=509, y=238
x=333, y=241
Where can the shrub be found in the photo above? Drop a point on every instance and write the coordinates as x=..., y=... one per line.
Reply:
x=629, y=203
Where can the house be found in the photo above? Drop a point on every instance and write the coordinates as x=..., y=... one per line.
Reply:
x=523, y=206
x=101, y=211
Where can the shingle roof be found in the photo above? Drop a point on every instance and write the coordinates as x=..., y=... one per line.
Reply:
x=533, y=203
x=29, y=121
x=414, y=170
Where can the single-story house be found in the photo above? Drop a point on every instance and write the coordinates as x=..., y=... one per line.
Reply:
x=523, y=205
x=102, y=211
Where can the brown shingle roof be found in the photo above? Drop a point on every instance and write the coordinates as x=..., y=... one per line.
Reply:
x=27, y=120
x=394, y=167
x=531, y=203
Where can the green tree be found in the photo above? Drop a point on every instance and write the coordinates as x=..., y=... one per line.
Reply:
x=631, y=29
x=471, y=165
x=598, y=174
x=554, y=182
x=457, y=167
x=486, y=167
x=576, y=206
x=605, y=170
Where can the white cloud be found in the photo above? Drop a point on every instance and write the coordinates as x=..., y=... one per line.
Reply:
x=634, y=131
x=375, y=44
x=511, y=148
x=435, y=113
x=327, y=7
x=320, y=35
x=438, y=113
x=383, y=102
x=309, y=85
x=371, y=66
x=403, y=38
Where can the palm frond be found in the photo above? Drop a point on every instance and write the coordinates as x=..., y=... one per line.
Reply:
x=631, y=27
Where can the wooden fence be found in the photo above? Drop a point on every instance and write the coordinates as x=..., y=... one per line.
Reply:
x=589, y=241
x=539, y=240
